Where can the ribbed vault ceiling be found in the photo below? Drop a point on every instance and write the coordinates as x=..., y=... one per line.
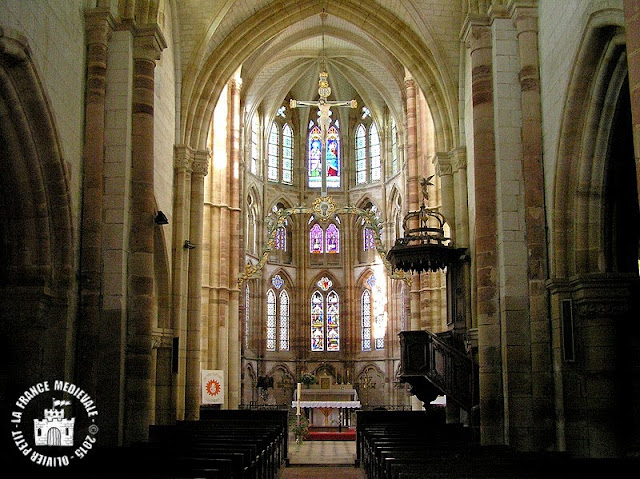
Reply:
x=358, y=67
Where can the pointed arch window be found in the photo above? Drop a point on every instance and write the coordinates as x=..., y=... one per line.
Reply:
x=367, y=153
x=255, y=142
x=361, y=155
x=315, y=157
x=246, y=316
x=314, y=164
x=271, y=320
x=273, y=149
x=374, y=152
x=325, y=317
x=284, y=321
x=277, y=316
x=365, y=302
x=394, y=147
x=287, y=154
x=316, y=239
x=317, y=321
x=333, y=239
x=333, y=157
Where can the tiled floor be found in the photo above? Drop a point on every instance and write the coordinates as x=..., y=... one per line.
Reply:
x=322, y=452
x=322, y=460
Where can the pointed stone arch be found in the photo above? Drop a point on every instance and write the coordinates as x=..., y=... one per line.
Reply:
x=389, y=30
x=36, y=263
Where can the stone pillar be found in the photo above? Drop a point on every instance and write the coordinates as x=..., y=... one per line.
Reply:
x=478, y=38
x=233, y=377
x=148, y=43
x=632, y=18
x=542, y=433
x=99, y=26
x=442, y=163
x=200, y=167
x=183, y=159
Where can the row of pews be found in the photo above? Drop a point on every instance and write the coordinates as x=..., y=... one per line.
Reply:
x=229, y=444
x=419, y=444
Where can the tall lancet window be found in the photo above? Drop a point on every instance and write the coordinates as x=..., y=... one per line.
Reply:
x=333, y=157
x=333, y=239
x=315, y=157
x=374, y=153
x=365, y=303
x=273, y=150
x=284, y=321
x=277, y=316
x=315, y=168
x=316, y=239
x=246, y=316
x=287, y=155
x=361, y=155
x=271, y=320
x=325, y=317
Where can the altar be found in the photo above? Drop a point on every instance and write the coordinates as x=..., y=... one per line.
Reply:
x=329, y=406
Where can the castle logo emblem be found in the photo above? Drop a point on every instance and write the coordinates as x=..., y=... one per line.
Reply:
x=54, y=436
x=54, y=429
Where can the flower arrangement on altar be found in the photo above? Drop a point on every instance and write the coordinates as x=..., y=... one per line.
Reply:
x=300, y=428
x=307, y=379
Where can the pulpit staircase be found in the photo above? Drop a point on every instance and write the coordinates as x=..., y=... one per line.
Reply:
x=434, y=366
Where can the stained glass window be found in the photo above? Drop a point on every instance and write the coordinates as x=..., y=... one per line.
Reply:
x=317, y=322
x=361, y=155
x=394, y=146
x=273, y=153
x=271, y=320
x=277, y=281
x=366, y=320
x=333, y=239
x=255, y=138
x=324, y=283
x=333, y=158
x=379, y=319
x=287, y=154
x=316, y=239
x=374, y=153
x=368, y=239
x=284, y=321
x=315, y=157
x=246, y=316
x=333, y=322
x=280, y=240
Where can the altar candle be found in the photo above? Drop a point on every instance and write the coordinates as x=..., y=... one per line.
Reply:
x=298, y=408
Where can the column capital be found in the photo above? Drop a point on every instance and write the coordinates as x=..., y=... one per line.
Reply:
x=182, y=158
x=200, y=163
x=442, y=162
x=459, y=158
x=99, y=23
x=148, y=42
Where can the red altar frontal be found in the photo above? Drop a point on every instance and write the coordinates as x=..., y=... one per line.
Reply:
x=327, y=407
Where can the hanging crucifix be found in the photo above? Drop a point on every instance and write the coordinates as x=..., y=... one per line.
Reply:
x=324, y=114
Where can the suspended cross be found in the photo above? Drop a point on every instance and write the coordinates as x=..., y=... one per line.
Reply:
x=324, y=110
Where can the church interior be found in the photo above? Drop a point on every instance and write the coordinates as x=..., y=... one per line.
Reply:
x=338, y=209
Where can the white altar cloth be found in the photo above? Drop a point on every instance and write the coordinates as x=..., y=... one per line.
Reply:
x=327, y=404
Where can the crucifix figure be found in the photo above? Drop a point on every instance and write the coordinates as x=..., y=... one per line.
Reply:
x=324, y=109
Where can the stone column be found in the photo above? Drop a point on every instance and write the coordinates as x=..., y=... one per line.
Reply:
x=200, y=167
x=478, y=38
x=148, y=43
x=632, y=18
x=99, y=27
x=233, y=379
x=444, y=169
x=526, y=22
x=183, y=159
